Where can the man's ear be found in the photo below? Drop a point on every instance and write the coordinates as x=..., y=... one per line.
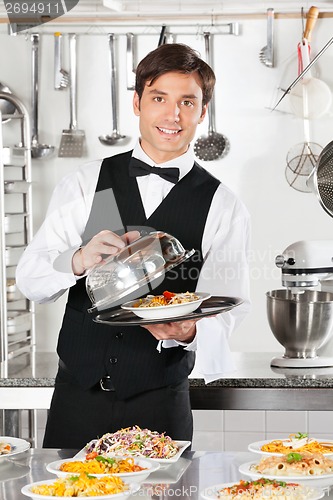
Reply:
x=203, y=113
x=136, y=104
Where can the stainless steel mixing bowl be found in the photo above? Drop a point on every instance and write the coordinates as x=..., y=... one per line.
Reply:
x=301, y=322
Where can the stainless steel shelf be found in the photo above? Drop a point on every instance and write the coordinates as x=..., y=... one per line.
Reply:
x=17, y=321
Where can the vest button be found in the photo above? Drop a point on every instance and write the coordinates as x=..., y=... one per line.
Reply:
x=119, y=336
x=113, y=361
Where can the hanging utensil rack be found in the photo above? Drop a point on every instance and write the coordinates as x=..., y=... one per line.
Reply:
x=17, y=319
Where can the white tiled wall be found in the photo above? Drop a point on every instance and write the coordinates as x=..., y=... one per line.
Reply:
x=232, y=430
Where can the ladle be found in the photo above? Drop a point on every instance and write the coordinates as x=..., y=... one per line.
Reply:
x=6, y=107
x=111, y=140
x=213, y=145
x=37, y=150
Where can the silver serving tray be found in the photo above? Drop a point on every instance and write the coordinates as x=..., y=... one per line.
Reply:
x=13, y=156
x=18, y=321
x=14, y=223
x=16, y=187
x=13, y=255
x=13, y=293
x=210, y=307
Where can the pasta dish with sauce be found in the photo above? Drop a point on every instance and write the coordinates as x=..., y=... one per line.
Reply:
x=265, y=488
x=295, y=464
x=166, y=299
x=97, y=464
x=81, y=486
x=300, y=442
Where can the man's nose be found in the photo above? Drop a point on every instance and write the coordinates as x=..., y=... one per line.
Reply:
x=174, y=112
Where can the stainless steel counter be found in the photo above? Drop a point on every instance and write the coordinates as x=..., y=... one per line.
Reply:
x=254, y=385
x=193, y=472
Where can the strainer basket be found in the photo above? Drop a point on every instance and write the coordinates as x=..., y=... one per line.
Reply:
x=321, y=179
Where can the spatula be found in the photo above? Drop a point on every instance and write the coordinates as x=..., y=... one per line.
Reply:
x=72, y=139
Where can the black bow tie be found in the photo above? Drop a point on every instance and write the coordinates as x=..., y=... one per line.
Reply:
x=138, y=168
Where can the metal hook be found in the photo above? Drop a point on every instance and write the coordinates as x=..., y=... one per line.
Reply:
x=302, y=18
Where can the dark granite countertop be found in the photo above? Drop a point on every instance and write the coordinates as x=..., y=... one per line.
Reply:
x=253, y=371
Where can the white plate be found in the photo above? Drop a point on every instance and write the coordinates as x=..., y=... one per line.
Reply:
x=149, y=465
x=163, y=461
x=18, y=445
x=26, y=490
x=161, y=312
x=256, y=447
x=313, y=481
x=210, y=493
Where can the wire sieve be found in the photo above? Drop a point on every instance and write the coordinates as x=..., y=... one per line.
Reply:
x=301, y=160
x=320, y=180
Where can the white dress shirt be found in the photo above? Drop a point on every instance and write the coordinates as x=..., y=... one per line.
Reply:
x=44, y=272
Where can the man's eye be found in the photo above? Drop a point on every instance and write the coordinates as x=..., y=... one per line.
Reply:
x=188, y=103
x=158, y=99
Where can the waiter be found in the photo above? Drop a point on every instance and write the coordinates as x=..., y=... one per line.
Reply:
x=112, y=377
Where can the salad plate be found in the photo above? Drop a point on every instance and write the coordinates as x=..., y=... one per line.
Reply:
x=17, y=446
x=320, y=481
x=148, y=465
x=209, y=307
x=212, y=492
x=182, y=445
x=256, y=447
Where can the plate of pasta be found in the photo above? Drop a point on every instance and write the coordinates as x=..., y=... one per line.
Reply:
x=10, y=446
x=295, y=442
x=167, y=305
x=262, y=488
x=128, y=468
x=313, y=469
x=82, y=485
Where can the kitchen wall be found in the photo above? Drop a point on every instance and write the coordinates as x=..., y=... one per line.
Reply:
x=259, y=138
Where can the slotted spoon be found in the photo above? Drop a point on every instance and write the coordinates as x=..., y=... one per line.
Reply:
x=213, y=145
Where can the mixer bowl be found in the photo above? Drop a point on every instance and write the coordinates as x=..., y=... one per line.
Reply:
x=301, y=322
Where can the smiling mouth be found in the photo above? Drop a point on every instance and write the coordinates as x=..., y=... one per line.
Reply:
x=168, y=131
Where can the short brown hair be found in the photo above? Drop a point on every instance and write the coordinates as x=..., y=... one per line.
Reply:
x=175, y=57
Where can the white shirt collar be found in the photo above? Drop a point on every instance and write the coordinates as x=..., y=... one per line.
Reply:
x=184, y=162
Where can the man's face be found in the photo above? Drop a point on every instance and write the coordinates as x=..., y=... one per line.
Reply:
x=169, y=112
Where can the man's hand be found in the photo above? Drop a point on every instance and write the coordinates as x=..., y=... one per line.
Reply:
x=183, y=331
x=102, y=244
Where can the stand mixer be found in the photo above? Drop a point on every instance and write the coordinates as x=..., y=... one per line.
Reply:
x=301, y=315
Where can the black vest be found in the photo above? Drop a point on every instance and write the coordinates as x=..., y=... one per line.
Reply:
x=128, y=354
